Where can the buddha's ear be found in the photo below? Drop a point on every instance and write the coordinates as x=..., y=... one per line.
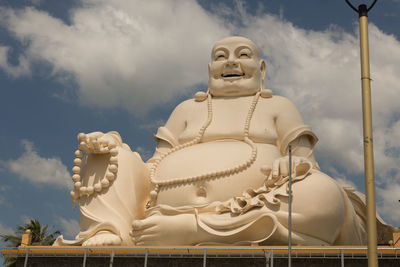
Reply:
x=209, y=67
x=263, y=72
x=262, y=68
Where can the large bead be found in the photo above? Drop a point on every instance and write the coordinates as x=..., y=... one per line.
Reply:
x=76, y=170
x=77, y=162
x=113, y=160
x=78, y=185
x=113, y=168
x=97, y=187
x=110, y=176
x=105, y=183
x=78, y=153
x=83, y=190
x=266, y=93
x=81, y=137
x=114, y=152
x=76, y=178
x=200, y=96
x=90, y=190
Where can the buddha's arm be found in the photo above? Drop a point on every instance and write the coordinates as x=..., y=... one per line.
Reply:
x=167, y=136
x=292, y=131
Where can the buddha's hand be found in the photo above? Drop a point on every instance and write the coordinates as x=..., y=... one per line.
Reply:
x=98, y=142
x=300, y=166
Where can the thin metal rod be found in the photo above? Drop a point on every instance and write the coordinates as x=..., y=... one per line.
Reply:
x=342, y=258
x=84, y=258
x=272, y=258
x=290, y=207
x=26, y=257
x=145, y=257
x=205, y=258
x=112, y=258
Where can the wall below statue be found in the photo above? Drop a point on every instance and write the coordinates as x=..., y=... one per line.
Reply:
x=326, y=256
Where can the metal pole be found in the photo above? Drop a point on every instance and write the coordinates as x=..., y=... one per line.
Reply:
x=205, y=258
x=367, y=131
x=26, y=257
x=272, y=258
x=342, y=258
x=290, y=207
x=112, y=258
x=84, y=258
x=145, y=257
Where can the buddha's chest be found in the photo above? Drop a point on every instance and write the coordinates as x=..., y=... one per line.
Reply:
x=228, y=121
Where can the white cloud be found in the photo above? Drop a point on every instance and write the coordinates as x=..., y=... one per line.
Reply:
x=38, y=170
x=390, y=205
x=5, y=230
x=129, y=54
x=69, y=227
x=23, y=67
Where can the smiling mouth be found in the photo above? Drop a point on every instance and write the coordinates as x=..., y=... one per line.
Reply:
x=232, y=75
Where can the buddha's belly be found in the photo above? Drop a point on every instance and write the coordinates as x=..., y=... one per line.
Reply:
x=211, y=157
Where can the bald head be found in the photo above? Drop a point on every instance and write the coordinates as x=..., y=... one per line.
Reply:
x=236, y=68
x=236, y=40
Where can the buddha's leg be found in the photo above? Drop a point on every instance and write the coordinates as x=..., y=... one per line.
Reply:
x=106, y=217
x=322, y=214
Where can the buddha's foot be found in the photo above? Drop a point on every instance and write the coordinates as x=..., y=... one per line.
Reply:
x=165, y=230
x=103, y=239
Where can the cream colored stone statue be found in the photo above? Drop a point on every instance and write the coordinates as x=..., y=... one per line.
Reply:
x=219, y=174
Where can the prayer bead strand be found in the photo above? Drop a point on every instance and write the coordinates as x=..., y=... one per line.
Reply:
x=241, y=167
x=111, y=174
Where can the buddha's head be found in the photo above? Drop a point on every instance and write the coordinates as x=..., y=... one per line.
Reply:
x=236, y=68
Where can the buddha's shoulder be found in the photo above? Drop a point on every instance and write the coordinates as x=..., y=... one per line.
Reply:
x=276, y=101
x=188, y=105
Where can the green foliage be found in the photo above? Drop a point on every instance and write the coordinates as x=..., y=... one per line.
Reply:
x=40, y=237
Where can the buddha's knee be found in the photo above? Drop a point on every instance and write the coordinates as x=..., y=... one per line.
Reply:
x=318, y=207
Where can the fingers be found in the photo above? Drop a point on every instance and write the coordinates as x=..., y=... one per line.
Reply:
x=284, y=167
x=266, y=170
x=280, y=167
x=96, y=142
x=275, y=168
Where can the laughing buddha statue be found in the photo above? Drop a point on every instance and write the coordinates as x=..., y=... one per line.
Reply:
x=219, y=174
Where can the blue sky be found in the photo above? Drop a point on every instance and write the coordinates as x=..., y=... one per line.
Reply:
x=84, y=65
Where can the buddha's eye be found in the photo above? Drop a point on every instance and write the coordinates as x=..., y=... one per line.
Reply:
x=244, y=53
x=219, y=56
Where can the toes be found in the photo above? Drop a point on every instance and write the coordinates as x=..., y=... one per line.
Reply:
x=137, y=224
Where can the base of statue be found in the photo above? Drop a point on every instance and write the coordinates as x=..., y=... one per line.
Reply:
x=201, y=256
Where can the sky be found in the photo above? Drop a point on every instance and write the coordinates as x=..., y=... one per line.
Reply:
x=97, y=65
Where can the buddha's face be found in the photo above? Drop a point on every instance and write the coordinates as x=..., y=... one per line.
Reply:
x=236, y=68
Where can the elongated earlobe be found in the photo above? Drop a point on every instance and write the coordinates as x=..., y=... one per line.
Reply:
x=200, y=96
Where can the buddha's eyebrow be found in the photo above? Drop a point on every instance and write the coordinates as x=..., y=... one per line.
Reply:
x=242, y=47
x=220, y=49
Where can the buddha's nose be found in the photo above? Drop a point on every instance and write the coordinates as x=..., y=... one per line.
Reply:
x=232, y=62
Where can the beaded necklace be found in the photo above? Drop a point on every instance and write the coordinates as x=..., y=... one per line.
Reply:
x=157, y=184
